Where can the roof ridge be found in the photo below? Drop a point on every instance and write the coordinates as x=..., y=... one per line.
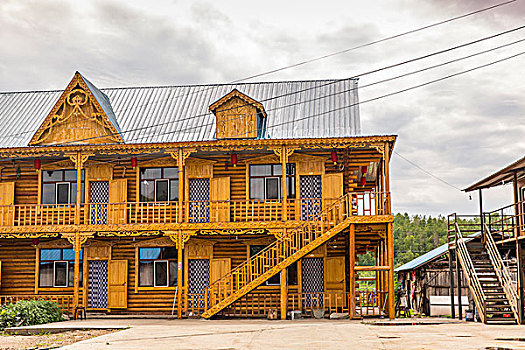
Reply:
x=185, y=85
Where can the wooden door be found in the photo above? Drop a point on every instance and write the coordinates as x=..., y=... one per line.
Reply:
x=219, y=268
x=7, y=200
x=118, y=196
x=332, y=190
x=118, y=284
x=335, y=280
x=220, y=196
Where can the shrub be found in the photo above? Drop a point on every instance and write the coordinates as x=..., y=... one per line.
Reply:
x=29, y=312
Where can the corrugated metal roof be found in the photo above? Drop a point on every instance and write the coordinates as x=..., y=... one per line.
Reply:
x=104, y=102
x=180, y=113
x=430, y=256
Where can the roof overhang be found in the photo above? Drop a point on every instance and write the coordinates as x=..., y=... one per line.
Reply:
x=501, y=177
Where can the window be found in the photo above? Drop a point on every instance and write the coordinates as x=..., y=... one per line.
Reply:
x=60, y=187
x=275, y=280
x=57, y=268
x=266, y=181
x=158, y=267
x=159, y=184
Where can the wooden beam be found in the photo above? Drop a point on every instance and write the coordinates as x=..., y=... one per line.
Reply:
x=391, y=289
x=180, y=247
x=284, y=293
x=352, y=270
x=284, y=160
x=372, y=268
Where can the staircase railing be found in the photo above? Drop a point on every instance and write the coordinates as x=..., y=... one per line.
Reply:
x=277, y=256
x=501, y=271
x=470, y=273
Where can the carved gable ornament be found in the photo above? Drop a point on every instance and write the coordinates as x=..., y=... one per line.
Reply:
x=238, y=116
x=82, y=115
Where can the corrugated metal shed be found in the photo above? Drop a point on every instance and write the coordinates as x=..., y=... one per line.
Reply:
x=430, y=256
x=296, y=109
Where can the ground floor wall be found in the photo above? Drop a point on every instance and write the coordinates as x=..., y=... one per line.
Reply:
x=115, y=278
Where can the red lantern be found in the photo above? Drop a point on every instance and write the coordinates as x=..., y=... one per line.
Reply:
x=36, y=241
x=234, y=159
x=334, y=157
x=364, y=169
x=38, y=164
x=363, y=180
x=134, y=162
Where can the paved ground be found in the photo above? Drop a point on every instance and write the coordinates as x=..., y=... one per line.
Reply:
x=301, y=334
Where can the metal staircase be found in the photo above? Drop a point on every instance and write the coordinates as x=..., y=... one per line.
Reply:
x=291, y=247
x=488, y=278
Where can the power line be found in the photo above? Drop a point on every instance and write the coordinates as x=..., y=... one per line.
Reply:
x=375, y=42
x=369, y=100
x=325, y=84
x=426, y=171
x=329, y=55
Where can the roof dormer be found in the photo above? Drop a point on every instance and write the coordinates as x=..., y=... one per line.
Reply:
x=82, y=115
x=238, y=116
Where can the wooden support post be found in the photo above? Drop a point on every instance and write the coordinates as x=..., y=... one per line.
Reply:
x=284, y=293
x=180, y=169
x=391, y=289
x=451, y=272
x=458, y=278
x=388, y=207
x=481, y=215
x=284, y=161
x=516, y=205
x=76, y=277
x=180, y=285
x=352, y=271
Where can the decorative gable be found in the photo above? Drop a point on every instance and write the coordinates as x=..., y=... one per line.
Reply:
x=238, y=116
x=82, y=115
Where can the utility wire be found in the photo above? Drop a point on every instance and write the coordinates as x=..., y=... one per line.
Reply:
x=319, y=86
x=375, y=42
x=358, y=103
x=426, y=171
x=324, y=56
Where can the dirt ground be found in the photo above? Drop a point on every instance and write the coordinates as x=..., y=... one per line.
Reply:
x=47, y=341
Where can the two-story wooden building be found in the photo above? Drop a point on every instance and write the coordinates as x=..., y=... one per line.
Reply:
x=198, y=200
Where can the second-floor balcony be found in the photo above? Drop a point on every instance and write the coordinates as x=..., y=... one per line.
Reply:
x=48, y=216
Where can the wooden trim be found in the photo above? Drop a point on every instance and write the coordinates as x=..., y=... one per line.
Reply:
x=137, y=184
x=37, y=268
x=39, y=190
x=142, y=289
x=136, y=269
x=327, y=143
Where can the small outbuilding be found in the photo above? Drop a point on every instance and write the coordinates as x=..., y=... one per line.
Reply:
x=425, y=281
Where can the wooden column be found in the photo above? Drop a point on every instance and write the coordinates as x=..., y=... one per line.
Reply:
x=284, y=293
x=481, y=215
x=516, y=204
x=76, y=279
x=180, y=169
x=451, y=272
x=388, y=207
x=284, y=161
x=391, y=289
x=519, y=256
x=352, y=271
x=180, y=284
x=458, y=278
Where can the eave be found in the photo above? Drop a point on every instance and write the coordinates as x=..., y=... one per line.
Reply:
x=218, y=145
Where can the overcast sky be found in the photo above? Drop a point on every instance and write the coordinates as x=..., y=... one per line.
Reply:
x=461, y=129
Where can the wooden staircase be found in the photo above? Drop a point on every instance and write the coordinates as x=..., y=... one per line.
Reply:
x=488, y=278
x=292, y=246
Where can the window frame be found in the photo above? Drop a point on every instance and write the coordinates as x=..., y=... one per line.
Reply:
x=154, y=262
x=63, y=181
x=55, y=262
x=155, y=180
x=274, y=175
x=61, y=259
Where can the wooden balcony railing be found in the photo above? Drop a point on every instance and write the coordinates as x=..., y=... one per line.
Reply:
x=299, y=209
